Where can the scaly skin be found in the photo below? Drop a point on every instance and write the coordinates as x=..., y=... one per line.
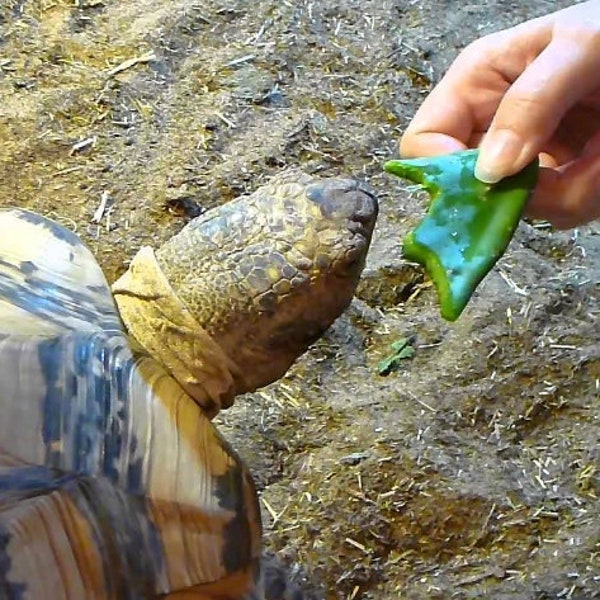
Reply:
x=264, y=276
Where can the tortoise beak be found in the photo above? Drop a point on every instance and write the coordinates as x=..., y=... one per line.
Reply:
x=346, y=199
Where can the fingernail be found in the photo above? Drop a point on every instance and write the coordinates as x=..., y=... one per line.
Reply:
x=497, y=155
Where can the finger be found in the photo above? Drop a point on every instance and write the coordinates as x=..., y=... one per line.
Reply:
x=558, y=153
x=437, y=127
x=592, y=148
x=428, y=144
x=548, y=160
x=534, y=105
x=465, y=98
x=568, y=196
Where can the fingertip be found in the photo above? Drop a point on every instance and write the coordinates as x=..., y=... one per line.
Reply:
x=486, y=174
x=501, y=155
x=414, y=145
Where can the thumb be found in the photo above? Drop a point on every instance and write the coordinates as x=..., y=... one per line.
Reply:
x=568, y=196
x=532, y=108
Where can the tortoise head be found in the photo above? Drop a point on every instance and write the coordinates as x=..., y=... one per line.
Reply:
x=265, y=275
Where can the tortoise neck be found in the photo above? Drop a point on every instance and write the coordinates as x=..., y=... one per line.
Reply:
x=165, y=328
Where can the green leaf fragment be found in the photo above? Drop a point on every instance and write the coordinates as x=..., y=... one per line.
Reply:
x=468, y=225
x=402, y=349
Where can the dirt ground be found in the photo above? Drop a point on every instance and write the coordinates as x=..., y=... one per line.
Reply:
x=469, y=472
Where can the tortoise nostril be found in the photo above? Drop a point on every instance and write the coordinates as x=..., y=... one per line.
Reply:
x=344, y=198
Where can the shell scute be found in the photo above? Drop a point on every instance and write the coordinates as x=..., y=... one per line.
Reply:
x=102, y=453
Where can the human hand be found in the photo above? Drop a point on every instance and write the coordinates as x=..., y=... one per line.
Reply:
x=532, y=89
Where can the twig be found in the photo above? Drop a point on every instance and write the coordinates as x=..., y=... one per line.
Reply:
x=101, y=207
x=131, y=62
x=242, y=59
x=82, y=145
x=225, y=120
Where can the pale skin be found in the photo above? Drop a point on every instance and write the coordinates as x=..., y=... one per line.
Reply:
x=530, y=90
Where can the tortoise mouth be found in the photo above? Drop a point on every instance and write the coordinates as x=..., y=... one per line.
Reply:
x=353, y=205
x=346, y=199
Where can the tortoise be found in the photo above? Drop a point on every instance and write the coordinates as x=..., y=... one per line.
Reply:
x=114, y=482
